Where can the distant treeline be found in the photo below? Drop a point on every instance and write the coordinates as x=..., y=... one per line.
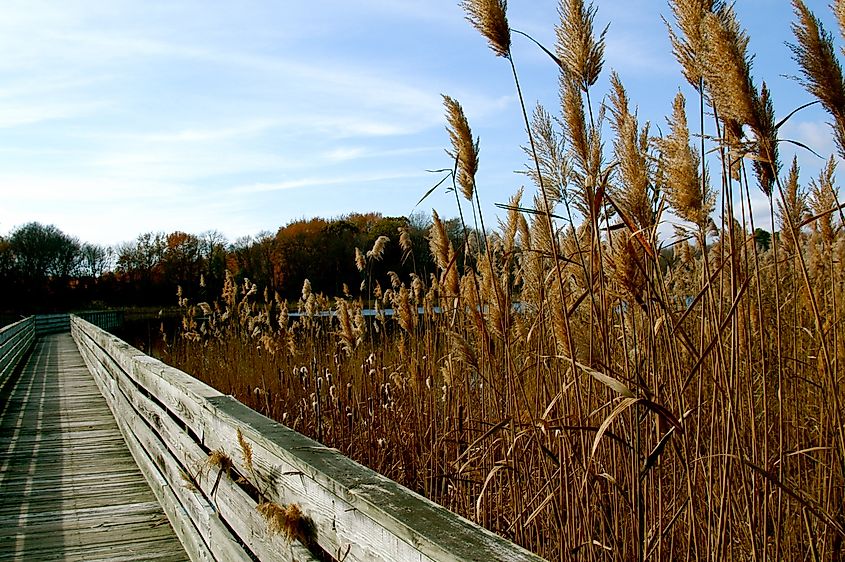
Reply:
x=45, y=269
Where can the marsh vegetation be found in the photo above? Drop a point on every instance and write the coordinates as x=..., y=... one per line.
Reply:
x=572, y=379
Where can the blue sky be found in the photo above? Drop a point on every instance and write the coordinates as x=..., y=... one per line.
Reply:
x=123, y=117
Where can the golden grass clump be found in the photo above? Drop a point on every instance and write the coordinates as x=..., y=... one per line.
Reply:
x=288, y=521
x=490, y=17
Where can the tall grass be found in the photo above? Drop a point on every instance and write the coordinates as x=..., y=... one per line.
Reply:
x=577, y=387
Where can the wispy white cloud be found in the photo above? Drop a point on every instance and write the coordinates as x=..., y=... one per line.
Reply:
x=323, y=181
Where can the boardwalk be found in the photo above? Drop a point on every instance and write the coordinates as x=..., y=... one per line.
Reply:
x=69, y=489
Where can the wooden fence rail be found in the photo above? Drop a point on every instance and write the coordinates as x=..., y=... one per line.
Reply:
x=211, y=461
x=15, y=341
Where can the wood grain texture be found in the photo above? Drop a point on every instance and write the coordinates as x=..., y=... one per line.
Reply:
x=69, y=489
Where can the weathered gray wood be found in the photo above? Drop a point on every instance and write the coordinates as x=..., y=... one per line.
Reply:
x=15, y=341
x=357, y=514
x=69, y=489
x=234, y=505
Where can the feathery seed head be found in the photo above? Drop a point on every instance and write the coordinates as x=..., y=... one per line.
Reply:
x=683, y=183
x=551, y=156
x=823, y=199
x=465, y=149
x=815, y=54
x=577, y=47
x=726, y=67
x=377, y=250
x=767, y=162
x=792, y=209
x=631, y=150
x=839, y=12
x=687, y=44
x=360, y=262
x=491, y=19
x=405, y=243
x=573, y=117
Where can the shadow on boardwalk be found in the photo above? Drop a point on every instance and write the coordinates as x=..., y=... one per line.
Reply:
x=69, y=489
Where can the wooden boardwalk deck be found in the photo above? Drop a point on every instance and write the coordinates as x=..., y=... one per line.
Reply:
x=69, y=489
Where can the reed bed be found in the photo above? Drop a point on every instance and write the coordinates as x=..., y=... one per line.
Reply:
x=581, y=386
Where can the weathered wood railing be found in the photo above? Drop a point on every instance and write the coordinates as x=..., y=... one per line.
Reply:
x=176, y=426
x=15, y=341
x=58, y=323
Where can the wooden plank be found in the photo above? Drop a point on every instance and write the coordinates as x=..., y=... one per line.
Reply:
x=358, y=514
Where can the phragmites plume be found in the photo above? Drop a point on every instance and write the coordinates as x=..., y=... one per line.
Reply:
x=348, y=339
x=491, y=19
x=405, y=242
x=683, y=183
x=573, y=117
x=444, y=255
x=631, y=149
x=246, y=450
x=360, y=262
x=465, y=149
x=814, y=53
x=726, y=66
x=792, y=209
x=687, y=44
x=823, y=201
x=377, y=250
x=767, y=162
x=839, y=12
x=551, y=160
x=306, y=290
x=439, y=241
x=625, y=265
x=577, y=47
